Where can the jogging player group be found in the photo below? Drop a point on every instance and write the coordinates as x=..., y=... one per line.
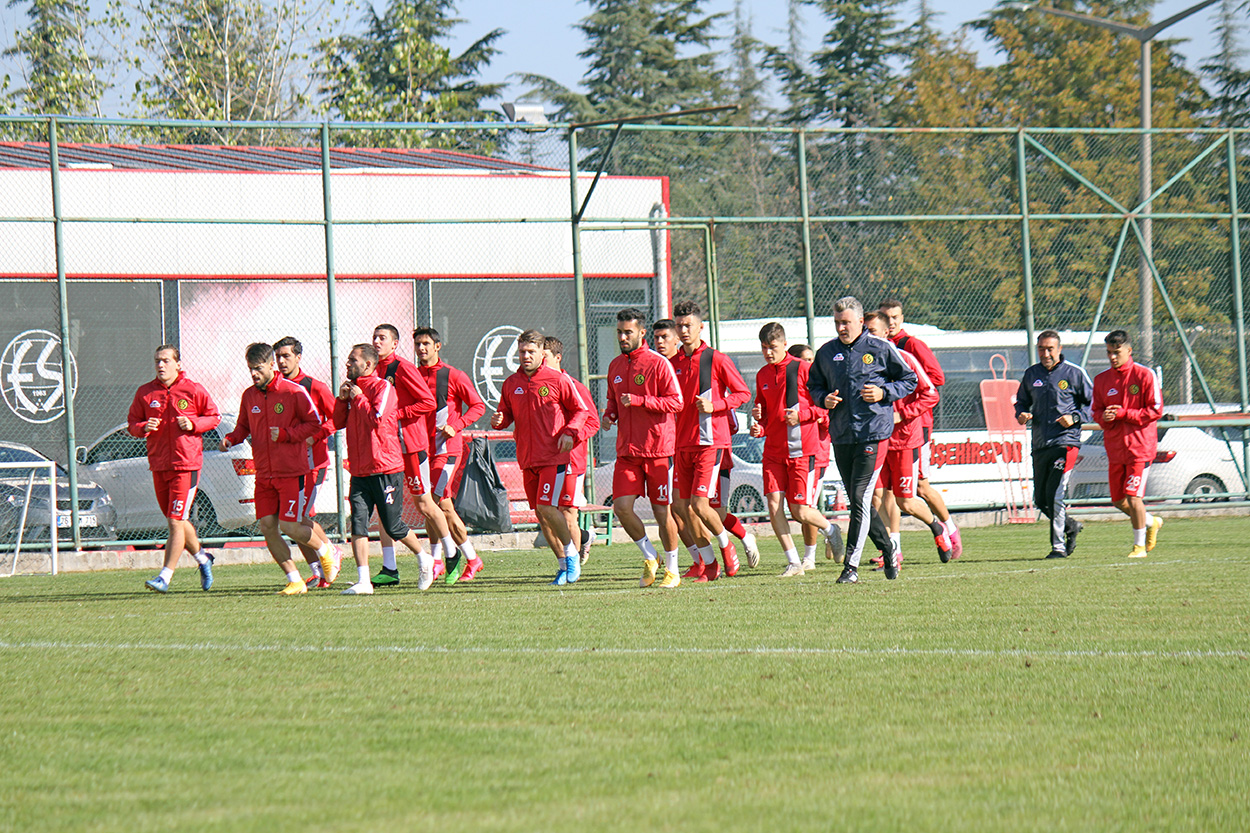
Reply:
x=864, y=400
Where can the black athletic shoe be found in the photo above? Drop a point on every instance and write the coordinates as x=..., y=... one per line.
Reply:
x=1057, y=554
x=849, y=575
x=889, y=564
x=1069, y=539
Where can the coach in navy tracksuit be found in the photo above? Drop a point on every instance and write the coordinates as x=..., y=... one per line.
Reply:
x=858, y=377
x=1056, y=395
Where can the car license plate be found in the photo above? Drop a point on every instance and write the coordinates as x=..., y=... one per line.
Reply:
x=84, y=521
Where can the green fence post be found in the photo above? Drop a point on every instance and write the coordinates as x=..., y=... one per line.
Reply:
x=1025, y=243
x=713, y=300
x=1239, y=309
x=328, y=222
x=809, y=305
x=579, y=298
x=67, y=366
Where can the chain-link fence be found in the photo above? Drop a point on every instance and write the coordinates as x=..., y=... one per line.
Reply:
x=985, y=236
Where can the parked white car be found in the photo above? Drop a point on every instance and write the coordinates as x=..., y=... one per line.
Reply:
x=118, y=461
x=96, y=518
x=1192, y=460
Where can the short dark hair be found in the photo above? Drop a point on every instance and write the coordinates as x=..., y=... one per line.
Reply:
x=891, y=303
x=684, y=308
x=259, y=352
x=555, y=345
x=1117, y=338
x=289, y=341
x=632, y=314
x=875, y=315
x=367, y=351
x=1045, y=334
x=531, y=337
x=797, y=350
x=664, y=324
x=391, y=328
x=171, y=348
x=429, y=332
x=771, y=332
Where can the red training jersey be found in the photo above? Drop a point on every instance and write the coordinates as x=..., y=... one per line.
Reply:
x=169, y=447
x=914, y=407
x=372, y=423
x=323, y=398
x=414, y=400
x=577, y=457
x=544, y=407
x=927, y=360
x=456, y=403
x=1132, y=435
x=288, y=407
x=712, y=375
x=648, y=426
x=778, y=388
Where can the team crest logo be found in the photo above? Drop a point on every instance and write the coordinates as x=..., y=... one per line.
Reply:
x=1134, y=389
x=277, y=409
x=639, y=379
x=183, y=404
x=544, y=390
x=32, y=374
x=494, y=360
x=1063, y=384
x=867, y=359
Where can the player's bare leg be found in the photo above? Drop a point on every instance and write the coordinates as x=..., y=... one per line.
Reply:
x=556, y=530
x=781, y=528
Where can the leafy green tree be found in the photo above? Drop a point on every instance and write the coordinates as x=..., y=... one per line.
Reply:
x=1226, y=70
x=397, y=70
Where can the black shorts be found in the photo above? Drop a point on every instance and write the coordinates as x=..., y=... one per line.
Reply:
x=383, y=492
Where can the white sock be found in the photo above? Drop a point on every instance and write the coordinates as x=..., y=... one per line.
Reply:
x=201, y=558
x=949, y=526
x=1150, y=520
x=167, y=574
x=722, y=540
x=706, y=553
x=388, y=558
x=670, y=560
x=648, y=550
x=448, y=546
x=570, y=550
x=792, y=556
x=695, y=555
x=362, y=574
x=1139, y=537
x=324, y=550
x=315, y=566
x=436, y=550
x=809, y=552
x=896, y=538
x=293, y=577
x=469, y=552
x=831, y=530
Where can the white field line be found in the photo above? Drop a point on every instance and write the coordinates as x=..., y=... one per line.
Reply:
x=759, y=650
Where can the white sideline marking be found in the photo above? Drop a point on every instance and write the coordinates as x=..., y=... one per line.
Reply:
x=758, y=650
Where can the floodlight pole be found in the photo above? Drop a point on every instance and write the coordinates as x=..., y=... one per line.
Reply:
x=1143, y=35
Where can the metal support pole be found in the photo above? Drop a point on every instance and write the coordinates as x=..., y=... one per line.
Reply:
x=1145, y=280
x=67, y=365
x=714, y=286
x=579, y=297
x=332, y=319
x=1025, y=243
x=809, y=304
x=1239, y=308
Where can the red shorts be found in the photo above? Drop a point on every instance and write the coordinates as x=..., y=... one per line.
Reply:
x=900, y=471
x=796, y=476
x=175, y=492
x=442, y=473
x=553, y=486
x=312, y=485
x=412, y=473
x=638, y=476
x=281, y=496
x=1127, y=479
x=698, y=471
x=722, y=479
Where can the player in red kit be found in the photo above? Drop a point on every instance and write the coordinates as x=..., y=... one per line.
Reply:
x=288, y=352
x=414, y=403
x=553, y=355
x=784, y=416
x=711, y=389
x=1128, y=404
x=280, y=421
x=456, y=406
x=171, y=413
x=548, y=413
x=643, y=398
x=812, y=534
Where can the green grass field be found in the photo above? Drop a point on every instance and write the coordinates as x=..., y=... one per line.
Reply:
x=998, y=692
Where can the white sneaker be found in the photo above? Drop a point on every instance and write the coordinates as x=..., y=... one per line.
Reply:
x=753, y=550
x=360, y=588
x=809, y=563
x=425, y=566
x=791, y=571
